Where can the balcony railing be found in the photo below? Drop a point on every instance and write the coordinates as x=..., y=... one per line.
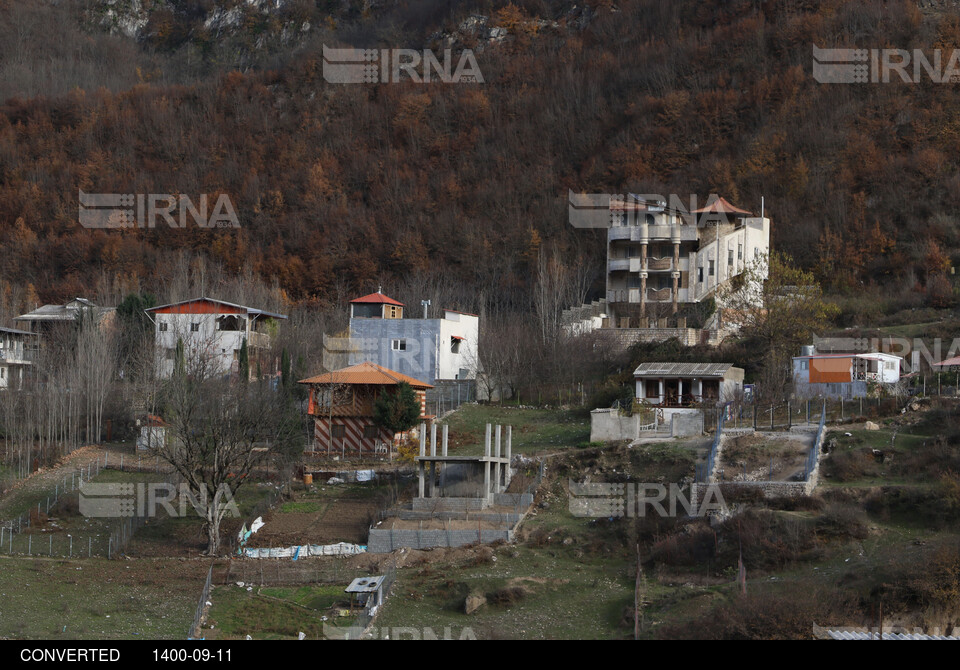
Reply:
x=617, y=264
x=657, y=264
x=659, y=295
x=259, y=340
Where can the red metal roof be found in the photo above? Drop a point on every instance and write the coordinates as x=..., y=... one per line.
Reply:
x=720, y=206
x=366, y=373
x=949, y=362
x=378, y=298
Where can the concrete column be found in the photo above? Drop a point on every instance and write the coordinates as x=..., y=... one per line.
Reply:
x=433, y=479
x=679, y=389
x=661, y=391
x=643, y=280
x=676, y=273
x=497, y=469
x=486, y=444
x=420, y=473
x=509, y=455
x=433, y=438
x=486, y=480
x=446, y=430
x=423, y=439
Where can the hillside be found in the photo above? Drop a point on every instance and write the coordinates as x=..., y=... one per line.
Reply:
x=340, y=187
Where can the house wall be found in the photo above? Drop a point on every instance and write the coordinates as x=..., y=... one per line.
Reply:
x=428, y=355
x=219, y=349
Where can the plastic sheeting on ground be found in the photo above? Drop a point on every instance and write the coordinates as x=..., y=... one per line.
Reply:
x=339, y=549
x=365, y=475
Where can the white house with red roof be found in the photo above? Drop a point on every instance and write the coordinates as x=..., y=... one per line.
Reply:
x=442, y=348
x=211, y=334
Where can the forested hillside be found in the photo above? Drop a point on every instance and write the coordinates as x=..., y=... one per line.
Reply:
x=339, y=188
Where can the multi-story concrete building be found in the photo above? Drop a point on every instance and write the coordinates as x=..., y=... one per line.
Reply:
x=437, y=349
x=16, y=356
x=211, y=334
x=661, y=260
x=659, y=257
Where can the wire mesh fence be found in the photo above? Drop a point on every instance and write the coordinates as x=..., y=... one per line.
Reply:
x=37, y=532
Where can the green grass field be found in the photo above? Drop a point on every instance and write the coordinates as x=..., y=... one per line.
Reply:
x=534, y=430
x=96, y=599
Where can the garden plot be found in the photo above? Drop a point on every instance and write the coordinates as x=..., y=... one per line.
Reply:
x=760, y=457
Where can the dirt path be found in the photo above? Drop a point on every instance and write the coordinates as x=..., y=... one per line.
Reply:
x=43, y=482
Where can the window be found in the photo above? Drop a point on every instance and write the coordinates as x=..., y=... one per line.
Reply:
x=740, y=252
x=3, y=373
x=455, y=345
x=729, y=256
x=700, y=274
x=195, y=327
x=162, y=326
x=399, y=345
x=370, y=432
x=711, y=272
x=338, y=430
x=170, y=354
x=804, y=365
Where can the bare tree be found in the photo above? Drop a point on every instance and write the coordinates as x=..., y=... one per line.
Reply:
x=219, y=431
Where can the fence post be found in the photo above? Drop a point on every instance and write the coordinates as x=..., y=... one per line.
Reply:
x=808, y=411
x=841, y=409
x=771, y=417
x=754, y=407
x=51, y=545
x=789, y=421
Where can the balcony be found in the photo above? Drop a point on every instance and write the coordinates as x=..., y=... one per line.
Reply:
x=624, y=295
x=258, y=340
x=15, y=355
x=659, y=295
x=618, y=265
x=659, y=264
x=624, y=233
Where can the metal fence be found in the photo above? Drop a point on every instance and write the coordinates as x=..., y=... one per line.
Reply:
x=198, y=617
x=705, y=470
x=449, y=395
x=21, y=536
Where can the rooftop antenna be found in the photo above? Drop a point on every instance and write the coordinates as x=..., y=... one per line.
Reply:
x=761, y=206
x=425, y=303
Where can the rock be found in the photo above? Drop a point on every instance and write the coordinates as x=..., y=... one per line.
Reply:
x=473, y=603
x=870, y=425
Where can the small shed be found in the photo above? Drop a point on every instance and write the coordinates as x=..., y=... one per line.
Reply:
x=366, y=592
x=153, y=433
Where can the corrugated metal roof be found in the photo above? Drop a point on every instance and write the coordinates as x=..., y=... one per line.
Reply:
x=682, y=369
x=249, y=310
x=950, y=361
x=872, y=635
x=14, y=331
x=378, y=298
x=366, y=373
